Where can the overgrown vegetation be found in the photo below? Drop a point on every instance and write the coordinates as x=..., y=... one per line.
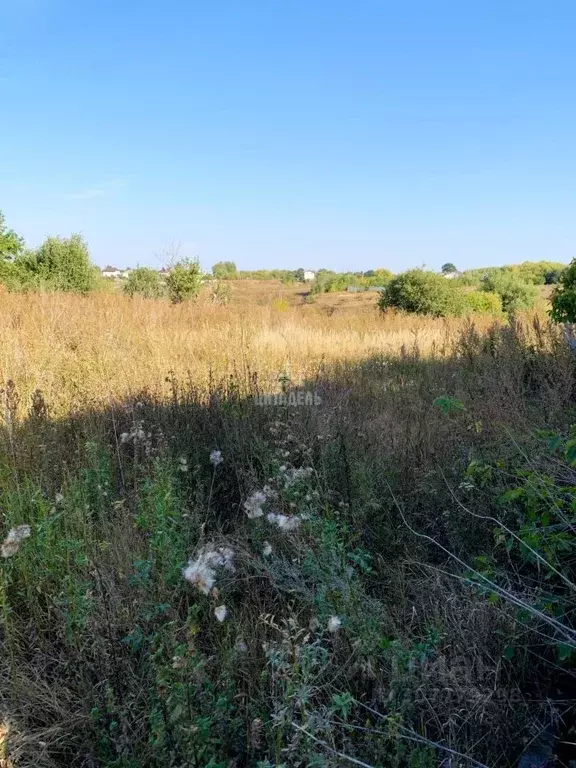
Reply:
x=384, y=576
x=422, y=293
x=63, y=264
x=282, y=537
x=426, y=293
x=144, y=282
x=564, y=297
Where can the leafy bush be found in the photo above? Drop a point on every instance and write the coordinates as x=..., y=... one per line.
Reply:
x=16, y=278
x=424, y=293
x=538, y=272
x=564, y=297
x=62, y=264
x=145, y=282
x=534, y=272
x=483, y=301
x=225, y=270
x=11, y=244
x=184, y=281
x=516, y=295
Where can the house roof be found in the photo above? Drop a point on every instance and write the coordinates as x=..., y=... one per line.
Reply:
x=111, y=269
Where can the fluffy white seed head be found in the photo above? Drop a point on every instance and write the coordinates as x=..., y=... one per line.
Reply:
x=15, y=537
x=216, y=458
x=334, y=624
x=253, y=504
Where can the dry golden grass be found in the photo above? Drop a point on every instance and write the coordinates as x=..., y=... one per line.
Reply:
x=86, y=351
x=109, y=657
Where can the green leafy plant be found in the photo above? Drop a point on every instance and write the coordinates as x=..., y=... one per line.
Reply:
x=62, y=264
x=423, y=293
x=483, y=301
x=564, y=297
x=184, y=281
x=515, y=293
x=145, y=282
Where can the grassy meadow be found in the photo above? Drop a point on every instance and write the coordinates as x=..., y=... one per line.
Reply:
x=199, y=577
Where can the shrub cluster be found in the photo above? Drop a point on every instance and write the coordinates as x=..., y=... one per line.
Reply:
x=427, y=293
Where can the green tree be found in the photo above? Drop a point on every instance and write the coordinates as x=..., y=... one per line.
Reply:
x=515, y=293
x=564, y=296
x=424, y=293
x=11, y=244
x=62, y=264
x=184, y=281
x=225, y=270
x=145, y=282
x=448, y=268
x=299, y=275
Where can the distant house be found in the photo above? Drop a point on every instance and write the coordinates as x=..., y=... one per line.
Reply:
x=451, y=275
x=309, y=274
x=165, y=271
x=126, y=272
x=111, y=272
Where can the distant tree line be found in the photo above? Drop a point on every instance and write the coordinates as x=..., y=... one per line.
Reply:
x=63, y=264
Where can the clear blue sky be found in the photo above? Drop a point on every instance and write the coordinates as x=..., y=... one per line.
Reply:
x=292, y=133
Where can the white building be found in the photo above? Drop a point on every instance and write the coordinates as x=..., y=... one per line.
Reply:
x=309, y=274
x=111, y=272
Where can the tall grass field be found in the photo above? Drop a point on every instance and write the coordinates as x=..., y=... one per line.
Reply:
x=283, y=534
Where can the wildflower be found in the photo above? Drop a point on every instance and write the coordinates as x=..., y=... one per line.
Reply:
x=15, y=537
x=177, y=662
x=284, y=522
x=334, y=624
x=183, y=464
x=226, y=558
x=221, y=612
x=267, y=550
x=216, y=458
x=59, y=498
x=136, y=433
x=292, y=476
x=253, y=504
x=201, y=572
